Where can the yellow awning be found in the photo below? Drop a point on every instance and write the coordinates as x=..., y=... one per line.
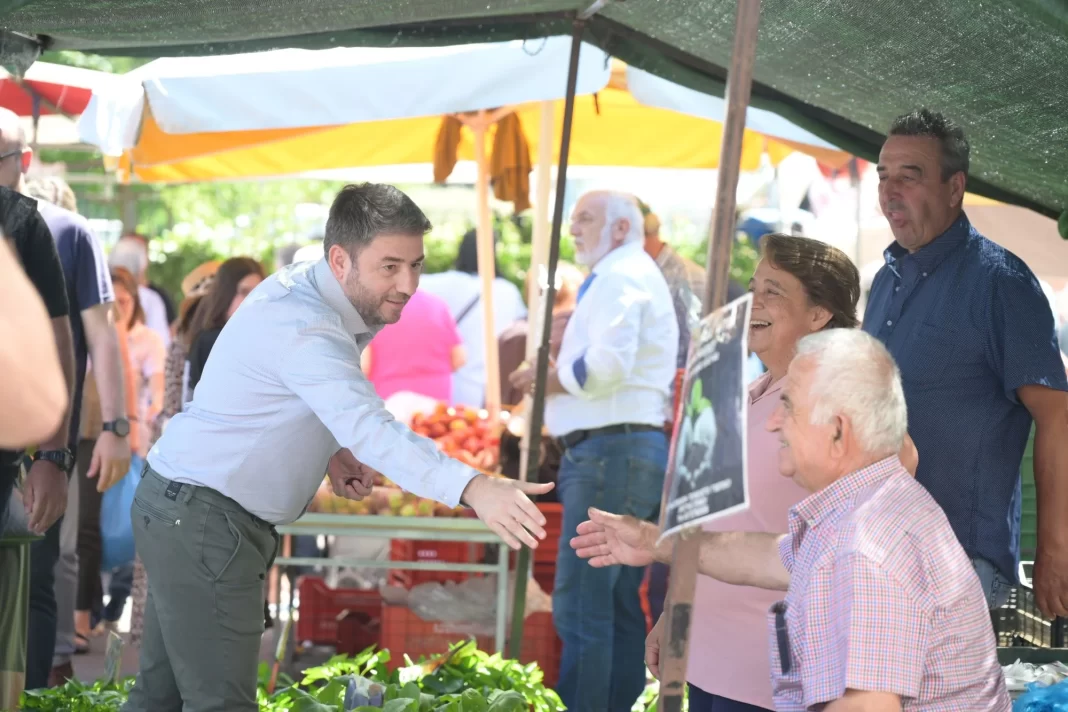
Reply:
x=610, y=129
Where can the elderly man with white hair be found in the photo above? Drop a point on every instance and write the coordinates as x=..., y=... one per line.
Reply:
x=608, y=395
x=883, y=610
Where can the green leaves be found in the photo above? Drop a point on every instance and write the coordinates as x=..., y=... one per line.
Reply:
x=468, y=680
x=698, y=403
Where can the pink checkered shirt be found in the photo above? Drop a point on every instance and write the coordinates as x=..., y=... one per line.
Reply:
x=882, y=598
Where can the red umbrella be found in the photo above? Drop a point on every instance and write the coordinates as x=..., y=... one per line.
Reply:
x=50, y=89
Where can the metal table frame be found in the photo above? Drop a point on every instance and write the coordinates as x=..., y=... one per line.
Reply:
x=461, y=529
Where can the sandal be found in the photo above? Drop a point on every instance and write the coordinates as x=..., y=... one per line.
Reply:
x=81, y=644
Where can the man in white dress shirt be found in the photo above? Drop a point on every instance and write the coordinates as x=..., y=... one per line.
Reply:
x=607, y=402
x=282, y=400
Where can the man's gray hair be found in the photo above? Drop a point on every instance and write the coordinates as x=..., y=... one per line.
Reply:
x=362, y=212
x=855, y=377
x=130, y=254
x=624, y=206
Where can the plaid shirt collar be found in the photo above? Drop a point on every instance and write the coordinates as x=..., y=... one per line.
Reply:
x=836, y=497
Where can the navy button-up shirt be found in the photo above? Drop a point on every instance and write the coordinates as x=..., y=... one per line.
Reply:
x=968, y=324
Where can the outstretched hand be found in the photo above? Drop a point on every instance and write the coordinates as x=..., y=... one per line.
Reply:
x=610, y=539
x=504, y=506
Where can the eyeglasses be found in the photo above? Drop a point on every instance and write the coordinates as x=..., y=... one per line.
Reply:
x=9, y=154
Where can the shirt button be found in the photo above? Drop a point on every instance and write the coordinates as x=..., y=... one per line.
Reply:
x=897, y=289
x=889, y=322
x=924, y=274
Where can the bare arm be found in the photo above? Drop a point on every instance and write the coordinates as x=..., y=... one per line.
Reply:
x=739, y=558
x=861, y=701
x=33, y=383
x=1049, y=408
x=459, y=357
x=65, y=347
x=103, y=345
x=366, y=361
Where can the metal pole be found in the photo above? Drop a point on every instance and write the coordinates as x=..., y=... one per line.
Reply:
x=542, y=366
x=678, y=609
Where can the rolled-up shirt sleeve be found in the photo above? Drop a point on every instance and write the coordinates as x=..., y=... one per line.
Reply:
x=613, y=339
x=322, y=368
x=872, y=635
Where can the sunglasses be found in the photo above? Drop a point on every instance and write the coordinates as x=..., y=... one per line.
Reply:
x=9, y=154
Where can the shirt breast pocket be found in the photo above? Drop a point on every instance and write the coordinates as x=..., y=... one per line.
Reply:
x=939, y=354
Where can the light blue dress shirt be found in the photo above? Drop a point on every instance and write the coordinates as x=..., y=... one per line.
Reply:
x=281, y=392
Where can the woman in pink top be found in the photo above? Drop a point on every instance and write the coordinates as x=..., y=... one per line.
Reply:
x=800, y=286
x=418, y=353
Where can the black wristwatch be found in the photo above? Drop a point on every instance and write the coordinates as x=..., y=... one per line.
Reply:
x=63, y=459
x=119, y=426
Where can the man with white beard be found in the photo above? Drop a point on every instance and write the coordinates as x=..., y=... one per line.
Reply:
x=607, y=400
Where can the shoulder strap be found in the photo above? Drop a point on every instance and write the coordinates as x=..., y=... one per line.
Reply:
x=467, y=309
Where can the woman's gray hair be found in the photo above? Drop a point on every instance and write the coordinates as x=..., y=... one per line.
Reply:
x=855, y=377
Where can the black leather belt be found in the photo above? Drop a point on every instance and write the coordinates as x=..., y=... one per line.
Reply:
x=573, y=438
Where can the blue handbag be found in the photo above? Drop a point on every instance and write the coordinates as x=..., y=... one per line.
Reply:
x=116, y=524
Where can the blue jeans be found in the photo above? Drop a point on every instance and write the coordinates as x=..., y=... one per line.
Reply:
x=44, y=553
x=996, y=587
x=701, y=701
x=597, y=612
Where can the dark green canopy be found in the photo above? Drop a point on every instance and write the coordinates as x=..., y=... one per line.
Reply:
x=841, y=68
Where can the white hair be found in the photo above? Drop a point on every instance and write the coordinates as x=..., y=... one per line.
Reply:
x=855, y=377
x=130, y=254
x=623, y=206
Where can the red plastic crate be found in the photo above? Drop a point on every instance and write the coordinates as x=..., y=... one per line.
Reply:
x=322, y=606
x=456, y=552
x=545, y=575
x=403, y=632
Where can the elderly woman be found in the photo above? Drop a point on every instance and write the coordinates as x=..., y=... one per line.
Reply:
x=801, y=286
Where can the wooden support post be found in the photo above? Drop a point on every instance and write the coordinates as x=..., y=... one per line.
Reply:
x=486, y=267
x=542, y=366
x=678, y=610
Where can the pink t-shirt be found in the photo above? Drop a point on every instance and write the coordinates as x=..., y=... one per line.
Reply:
x=415, y=354
x=729, y=643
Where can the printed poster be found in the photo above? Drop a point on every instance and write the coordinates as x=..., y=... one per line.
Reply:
x=707, y=475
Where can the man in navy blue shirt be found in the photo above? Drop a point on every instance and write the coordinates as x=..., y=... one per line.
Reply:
x=974, y=337
x=89, y=292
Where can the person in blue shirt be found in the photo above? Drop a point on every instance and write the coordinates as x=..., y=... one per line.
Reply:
x=967, y=323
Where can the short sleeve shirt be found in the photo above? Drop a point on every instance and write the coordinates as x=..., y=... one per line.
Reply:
x=882, y=598
x=967, y=323
x=88, y=284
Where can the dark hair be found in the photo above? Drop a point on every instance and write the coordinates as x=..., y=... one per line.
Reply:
x=362, y=212
x=187, y=314
x=125, y=279
x=949, y=134
x=211, y=312
x=828, y=276
x=467, y=254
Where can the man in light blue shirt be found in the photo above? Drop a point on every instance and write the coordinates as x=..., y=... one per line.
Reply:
x=282, y=400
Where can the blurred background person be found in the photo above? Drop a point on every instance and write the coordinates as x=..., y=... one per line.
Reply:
x=234, y=280
x=512, y=343
x=419, y=353
x=176, y=393
x=461, y=288
x=131, y=253
x=91, y=297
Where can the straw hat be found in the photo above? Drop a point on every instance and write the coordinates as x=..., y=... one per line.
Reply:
x=199, y=281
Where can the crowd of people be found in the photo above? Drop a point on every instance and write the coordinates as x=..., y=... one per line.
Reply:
x=883, y=454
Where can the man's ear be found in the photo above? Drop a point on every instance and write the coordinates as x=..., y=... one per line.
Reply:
x=26, y=159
